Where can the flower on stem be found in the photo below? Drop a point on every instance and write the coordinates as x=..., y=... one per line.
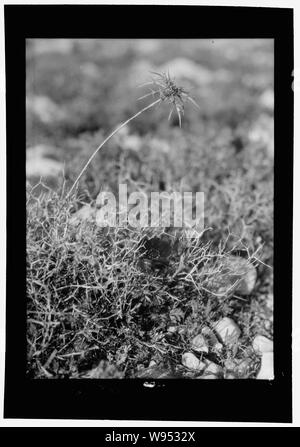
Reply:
x=166, y=90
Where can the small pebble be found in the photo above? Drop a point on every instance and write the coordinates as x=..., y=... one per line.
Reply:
x=209, y=376
x=199, y=344
x=268, y=325
x=266, y=371
x=228, y=331
x=190, y=361
x=213, y=368
x=262, y=344
x=230, y=376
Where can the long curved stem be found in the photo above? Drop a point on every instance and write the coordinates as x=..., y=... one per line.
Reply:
x=108, y=138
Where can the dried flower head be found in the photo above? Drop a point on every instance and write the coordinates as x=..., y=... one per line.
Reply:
x=167, y=90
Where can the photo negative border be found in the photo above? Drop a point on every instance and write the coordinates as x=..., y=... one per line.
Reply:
x=191, y=400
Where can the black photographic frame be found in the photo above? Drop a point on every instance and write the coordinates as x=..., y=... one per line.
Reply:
x=243, y=400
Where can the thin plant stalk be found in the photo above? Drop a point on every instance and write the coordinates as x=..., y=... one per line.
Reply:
x=108, y=138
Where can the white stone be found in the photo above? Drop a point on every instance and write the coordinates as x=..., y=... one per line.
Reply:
x=199, y=344
x=262, y=344
x=213, y=368
x=209, y=376
x=266, y=371
x=228, y=331
x=190, y=361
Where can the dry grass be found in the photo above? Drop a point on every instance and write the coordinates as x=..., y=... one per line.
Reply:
x=91, y=300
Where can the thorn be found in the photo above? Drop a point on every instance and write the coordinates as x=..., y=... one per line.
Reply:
x=148, y=94
x=145, y=83
x=170, y=114
x=157, y=74
x=193, y=102
x=179, y=116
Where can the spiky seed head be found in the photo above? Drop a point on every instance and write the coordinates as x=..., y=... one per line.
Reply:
x=168, y=90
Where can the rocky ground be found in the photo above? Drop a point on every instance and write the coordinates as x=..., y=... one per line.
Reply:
x=100, y=304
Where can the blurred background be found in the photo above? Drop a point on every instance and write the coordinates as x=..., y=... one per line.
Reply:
x=79, y=90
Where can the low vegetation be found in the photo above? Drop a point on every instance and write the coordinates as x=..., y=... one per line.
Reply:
x=98, y=304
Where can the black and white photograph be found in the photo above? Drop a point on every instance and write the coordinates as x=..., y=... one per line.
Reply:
x=114, y=118
x=150, y=171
